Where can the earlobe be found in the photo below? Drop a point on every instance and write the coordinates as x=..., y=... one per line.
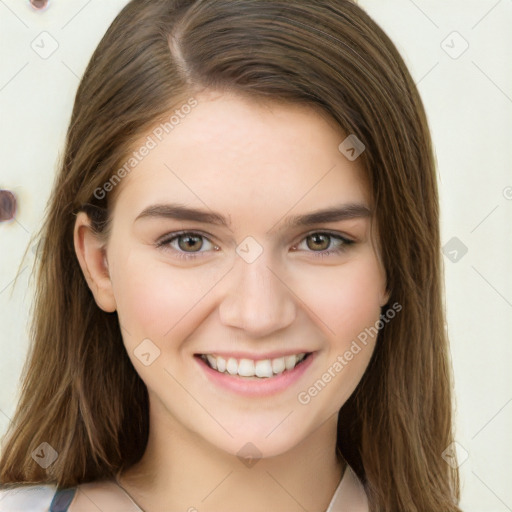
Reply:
x=92, y=258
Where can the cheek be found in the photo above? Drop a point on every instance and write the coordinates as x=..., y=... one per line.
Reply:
x=345, y=299
x=153, y=298
x=347, y=302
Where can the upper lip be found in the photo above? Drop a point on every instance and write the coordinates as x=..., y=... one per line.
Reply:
x=256, y=357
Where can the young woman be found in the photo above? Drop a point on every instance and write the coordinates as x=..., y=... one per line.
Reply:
x=239, y=301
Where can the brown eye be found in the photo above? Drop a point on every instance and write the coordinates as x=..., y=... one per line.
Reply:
x=186, y=245
x=320, y=241
x=190, y=242
x=318, y=244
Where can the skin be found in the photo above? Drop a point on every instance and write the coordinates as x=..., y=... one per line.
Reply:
x=256, y=164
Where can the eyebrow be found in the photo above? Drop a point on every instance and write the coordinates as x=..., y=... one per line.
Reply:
x=181, y=212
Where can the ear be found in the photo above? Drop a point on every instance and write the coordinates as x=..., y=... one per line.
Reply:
x=385, y=298
x=92, y=257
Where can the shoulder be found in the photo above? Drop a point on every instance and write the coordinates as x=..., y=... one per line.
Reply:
x=100, y=495
x=26, y=498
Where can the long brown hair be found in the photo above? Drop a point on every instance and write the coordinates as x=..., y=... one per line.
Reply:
x=80, y=392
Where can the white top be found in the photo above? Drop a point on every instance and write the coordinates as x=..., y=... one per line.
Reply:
x=349, y=496
x=29, y=498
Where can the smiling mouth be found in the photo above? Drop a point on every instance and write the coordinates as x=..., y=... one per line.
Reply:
x=249, y=368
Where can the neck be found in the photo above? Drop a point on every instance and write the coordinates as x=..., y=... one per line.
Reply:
x=181, y=471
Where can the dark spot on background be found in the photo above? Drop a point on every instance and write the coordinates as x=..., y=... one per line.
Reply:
x=7, y=205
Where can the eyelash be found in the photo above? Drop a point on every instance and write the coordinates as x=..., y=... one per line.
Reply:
x=166, y=241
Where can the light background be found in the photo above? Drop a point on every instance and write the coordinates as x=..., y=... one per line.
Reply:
x=468, y=97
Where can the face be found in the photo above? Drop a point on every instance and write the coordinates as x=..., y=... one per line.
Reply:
x=244, y=281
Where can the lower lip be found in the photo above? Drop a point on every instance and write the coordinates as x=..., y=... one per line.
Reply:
x=261, y=387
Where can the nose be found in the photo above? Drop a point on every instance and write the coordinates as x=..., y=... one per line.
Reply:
x=258, y=299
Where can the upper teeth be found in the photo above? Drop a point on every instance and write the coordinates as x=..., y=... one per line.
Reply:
x=251, y=368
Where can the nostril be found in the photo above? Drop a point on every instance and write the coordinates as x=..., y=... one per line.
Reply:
x=7, y=205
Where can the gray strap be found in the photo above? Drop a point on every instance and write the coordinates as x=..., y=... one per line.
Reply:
x=62, y=499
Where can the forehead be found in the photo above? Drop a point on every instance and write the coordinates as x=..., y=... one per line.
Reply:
x=228, y=144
